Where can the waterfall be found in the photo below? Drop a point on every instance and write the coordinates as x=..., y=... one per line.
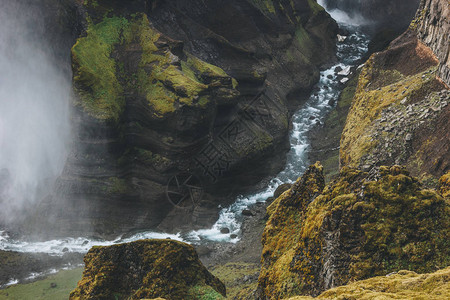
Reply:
x=34, y=116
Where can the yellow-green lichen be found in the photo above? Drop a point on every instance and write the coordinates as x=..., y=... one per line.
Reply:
x=402, y=285
x=265, y=6
x=392, y=224
x=232, y=275
x=444, y=185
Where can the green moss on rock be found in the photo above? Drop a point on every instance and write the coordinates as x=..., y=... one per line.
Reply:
x=358, y=227
x=101, y=94
x=166, y=81
x=444, y=185
x=146, y=269
x=402, y=285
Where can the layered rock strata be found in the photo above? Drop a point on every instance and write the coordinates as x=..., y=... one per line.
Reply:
x=182, y=91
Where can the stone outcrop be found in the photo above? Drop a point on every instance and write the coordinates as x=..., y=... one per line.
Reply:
x=399, y=112
x=146, y=269
x=432, y=24
x=166, y=90
x=359, y=226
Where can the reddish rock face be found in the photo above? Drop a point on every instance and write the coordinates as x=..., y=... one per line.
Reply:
x=432, y=24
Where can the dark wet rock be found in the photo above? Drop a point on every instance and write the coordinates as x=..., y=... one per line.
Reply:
x=270, y=200
x=281, y=189
x=225, y=230
x=233, y=236
x=337, y=69
x=312, y=117
x=247, y=213
x=331, y=102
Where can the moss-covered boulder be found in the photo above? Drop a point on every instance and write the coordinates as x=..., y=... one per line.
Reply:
x=401, y=285
x=361, y=225
x=146, y=269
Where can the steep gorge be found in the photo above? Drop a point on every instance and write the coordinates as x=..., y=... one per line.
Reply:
x=166, y=89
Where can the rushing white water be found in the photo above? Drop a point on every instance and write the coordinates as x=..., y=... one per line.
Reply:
x=349, y=50
x=34, y=104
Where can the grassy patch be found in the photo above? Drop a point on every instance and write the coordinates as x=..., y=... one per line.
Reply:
x=232, y=275
x=95, y=78
x=64, y=282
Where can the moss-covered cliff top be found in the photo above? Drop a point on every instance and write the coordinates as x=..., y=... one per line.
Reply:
x=361, y=225
x=146, y=269
x=401, y=285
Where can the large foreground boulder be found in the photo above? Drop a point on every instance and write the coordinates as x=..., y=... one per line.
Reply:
x=146, y=269
x=361, y=225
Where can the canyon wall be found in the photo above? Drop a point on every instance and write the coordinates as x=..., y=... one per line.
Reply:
x=183, y=91
x=432, y=24
x=400, y=110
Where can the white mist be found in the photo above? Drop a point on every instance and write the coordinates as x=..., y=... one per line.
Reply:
x=342, y=17
x=34, y=112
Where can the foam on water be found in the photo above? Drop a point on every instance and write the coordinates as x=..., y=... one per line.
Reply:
x=77, y=245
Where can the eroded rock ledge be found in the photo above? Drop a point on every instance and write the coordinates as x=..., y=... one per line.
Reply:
x=359, y=226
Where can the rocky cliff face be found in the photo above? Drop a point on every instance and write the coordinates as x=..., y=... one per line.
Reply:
x=146, y=269
x=432, y=24
x=399, y=112
x=182, y=90
x=361, y=225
